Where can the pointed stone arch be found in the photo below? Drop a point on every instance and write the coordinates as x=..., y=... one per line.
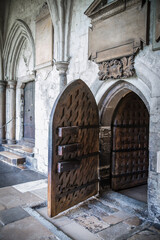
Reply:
x=19, y=33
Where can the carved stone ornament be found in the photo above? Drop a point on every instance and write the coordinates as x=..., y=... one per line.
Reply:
x=119, y=68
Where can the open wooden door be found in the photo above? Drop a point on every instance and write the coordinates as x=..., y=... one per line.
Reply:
x=130, y=134
x=73, y=148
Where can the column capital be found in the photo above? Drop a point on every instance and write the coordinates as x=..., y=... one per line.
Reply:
x=3, y=83
x=11, y=84
x=62, y=67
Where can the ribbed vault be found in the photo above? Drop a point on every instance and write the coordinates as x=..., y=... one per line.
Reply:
x=17, y=36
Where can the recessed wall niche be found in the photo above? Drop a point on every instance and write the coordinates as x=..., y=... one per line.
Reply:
x=44, y=38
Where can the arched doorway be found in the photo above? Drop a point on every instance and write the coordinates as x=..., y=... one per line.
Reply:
x=130, y=134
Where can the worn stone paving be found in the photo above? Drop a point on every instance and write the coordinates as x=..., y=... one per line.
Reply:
x=112, y=216
x=96, y=218
x=103, y=221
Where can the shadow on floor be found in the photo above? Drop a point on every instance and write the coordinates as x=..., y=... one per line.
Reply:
x=10, y=175
x=139, y=193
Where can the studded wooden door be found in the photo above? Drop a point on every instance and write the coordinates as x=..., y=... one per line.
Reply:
x=73, y=148
x=29, y=103
x=130, y=133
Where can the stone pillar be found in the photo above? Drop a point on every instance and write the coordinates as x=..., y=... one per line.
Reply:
x=11, y=127
x=154, y=171
x=62, y=67
x=2, y=111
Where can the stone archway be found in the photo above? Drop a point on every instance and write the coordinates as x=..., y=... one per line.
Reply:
x=18, y=41
x=107, y=106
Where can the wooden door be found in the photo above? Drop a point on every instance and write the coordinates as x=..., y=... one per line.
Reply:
x=73, y=148
x=130, y=134
x=29, y=103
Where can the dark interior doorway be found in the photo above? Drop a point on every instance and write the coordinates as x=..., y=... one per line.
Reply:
x=130, y=136
x=29, y=112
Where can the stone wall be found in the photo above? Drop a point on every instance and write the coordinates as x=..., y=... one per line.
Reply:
x=47, y=87
x=47, y=80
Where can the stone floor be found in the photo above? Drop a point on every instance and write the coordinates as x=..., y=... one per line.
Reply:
x=10, y=175
x=138, y=193
x=23, y=216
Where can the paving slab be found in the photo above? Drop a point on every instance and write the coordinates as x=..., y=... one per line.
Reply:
x=10, y=197
x=31, y=186
x=26, y=229
x=133, y=221
x=111, y=219
x=42, y=193
x=122, y=215
x=145, y=235
x=92, y=223
x=12, y=215
x=77, y=232
x=115, y=231
x=119, y=216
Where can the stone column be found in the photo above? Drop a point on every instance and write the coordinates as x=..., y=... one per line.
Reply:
x=62, y=67
x=11, y=127
x=2, y=111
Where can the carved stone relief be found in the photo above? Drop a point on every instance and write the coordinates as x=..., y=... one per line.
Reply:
x=118, y=68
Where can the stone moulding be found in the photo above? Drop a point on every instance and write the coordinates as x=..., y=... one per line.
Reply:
x=117, y=68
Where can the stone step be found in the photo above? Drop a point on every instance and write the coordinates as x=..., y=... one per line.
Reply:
x=12, y=158
x=19, y=149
